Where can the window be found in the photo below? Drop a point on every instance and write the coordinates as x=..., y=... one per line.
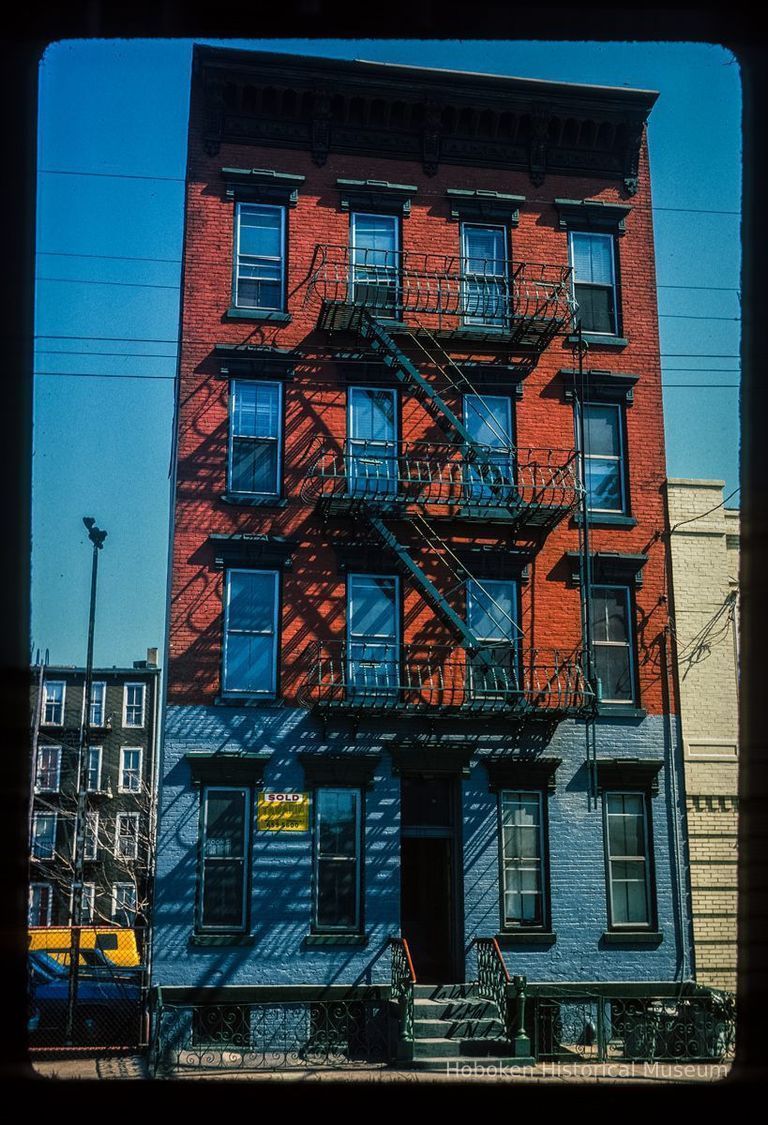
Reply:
x=40, y=904
x=373, y=646
x=628, y=858
x=522, y=857
x=337, y=860
x=604, y=461
x=255, y=448
x=124, y=904
x=91, y=835
x=130, y=770
x=259, y=278
x=127, y=836
x=485, y=287
x=491, y=475
x=53, y=702
x=48, y=779
x=93, y=769
x=372, y=429
x=250, y=632
x=224, y=851
x=44, y=835
x=88, y=903
x=133, y=705
x=594, y=281
x=492, y=618
x=613, y=643
x=98, y=696
x=375, y=245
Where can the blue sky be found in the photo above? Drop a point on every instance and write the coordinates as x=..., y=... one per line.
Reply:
x=112, y=144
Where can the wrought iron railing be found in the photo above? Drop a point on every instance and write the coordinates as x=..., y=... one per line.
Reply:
x=492, y=974
x=534, y=484
x=279, y=1033
x=475, y=293
x=379, y=677
x=403, y=980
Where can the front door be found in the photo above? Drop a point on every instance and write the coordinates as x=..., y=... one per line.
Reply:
x=429, y=878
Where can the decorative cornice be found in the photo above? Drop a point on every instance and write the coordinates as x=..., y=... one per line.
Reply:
x=217, y=766
x=599, y=384
x=262, y=185
x=252, y=550
x=609, y=566
x=481, y=205
x=592, y=214
x=254, y=362
x=522, y=773
x=432, y=760
x=354, y=770
x=629, y=773
x=490, y=562
x=376, y=195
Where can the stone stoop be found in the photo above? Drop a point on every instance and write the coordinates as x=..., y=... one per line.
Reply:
x=453, y=1024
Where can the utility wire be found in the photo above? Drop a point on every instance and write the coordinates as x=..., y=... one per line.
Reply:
x=703, y=514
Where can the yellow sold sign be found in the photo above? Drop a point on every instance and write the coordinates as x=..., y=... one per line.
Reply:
x=283, y=812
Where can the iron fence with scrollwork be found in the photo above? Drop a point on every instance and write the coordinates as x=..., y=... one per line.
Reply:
x=403, y=980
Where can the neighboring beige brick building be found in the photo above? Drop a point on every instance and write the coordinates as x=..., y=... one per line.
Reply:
x=705, y=567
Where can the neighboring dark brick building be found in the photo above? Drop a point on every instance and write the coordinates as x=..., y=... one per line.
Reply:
x=379, y=576
x=120, y=784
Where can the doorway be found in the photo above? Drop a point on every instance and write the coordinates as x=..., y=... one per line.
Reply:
x=430, y=877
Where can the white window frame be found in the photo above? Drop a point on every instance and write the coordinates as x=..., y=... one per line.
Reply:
x=358, y=859
x=121, y=785
x=91, y=832
x=143, y=686
x=502, y=320
x=621, y=459
x=389, y=480
x=53, y=683
x=252, y=259
x=134, y=818
x=202, y=925
x=56, y=787
x=87, y=903
x=48, y=888
x=373, y=639
x=397, y=270
x=574, y=279
x=271, y=690
x=98, y=750
x=631, y=700
x=116, y=888
x=103, y=704
x=36, y=819
x=513, y=924
x=278, y=439
x=649, y=903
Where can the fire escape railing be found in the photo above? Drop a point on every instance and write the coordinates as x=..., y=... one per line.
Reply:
x=529, y=485
x=527, y=301
x=368, y=678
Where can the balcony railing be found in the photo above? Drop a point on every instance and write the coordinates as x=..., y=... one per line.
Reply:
x=535, y=486
x=371, y=677
x=528, y=301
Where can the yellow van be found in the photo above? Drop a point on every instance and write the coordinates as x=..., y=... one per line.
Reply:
x=118, y=945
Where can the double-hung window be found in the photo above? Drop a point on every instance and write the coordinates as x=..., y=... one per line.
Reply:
x=133, y=705
x=375, y=263
x=88, y=903
x=373, y=636
x=605, y=477
x=93, y=769
x=613, y=643
x=255, y=446
x=485, y=282
x=98, y=696
x=225, y=832
x=130, y=769
x=628, y=859
x=259, y=276
x=372, y=441
x=493, y=674
x=91, y=835
x=592, y=257
x=522, y=857
x=53, y=702
x=490, y=476
x=127, y=836
x=250, y=632
x=338, y=866
x=40, y=904
x=44, y=835
x=48, y=778
x=124, y=904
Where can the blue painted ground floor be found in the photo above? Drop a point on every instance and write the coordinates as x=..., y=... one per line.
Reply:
x=290, y=854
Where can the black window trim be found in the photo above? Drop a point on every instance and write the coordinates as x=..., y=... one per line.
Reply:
x=542, y=791
x=626, y=929
x=200, y=927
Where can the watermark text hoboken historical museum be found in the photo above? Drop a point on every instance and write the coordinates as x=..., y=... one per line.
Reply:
x=651, y=1071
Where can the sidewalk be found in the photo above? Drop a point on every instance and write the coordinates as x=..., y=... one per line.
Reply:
x=610, y=1072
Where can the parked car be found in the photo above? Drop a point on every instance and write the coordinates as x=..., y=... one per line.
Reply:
x=107, y=1009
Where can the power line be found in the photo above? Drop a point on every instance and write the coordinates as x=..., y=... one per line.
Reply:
x=88, y=281
x=693, y=519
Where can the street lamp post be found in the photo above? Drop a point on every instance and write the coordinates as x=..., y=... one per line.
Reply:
x=97, y=537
